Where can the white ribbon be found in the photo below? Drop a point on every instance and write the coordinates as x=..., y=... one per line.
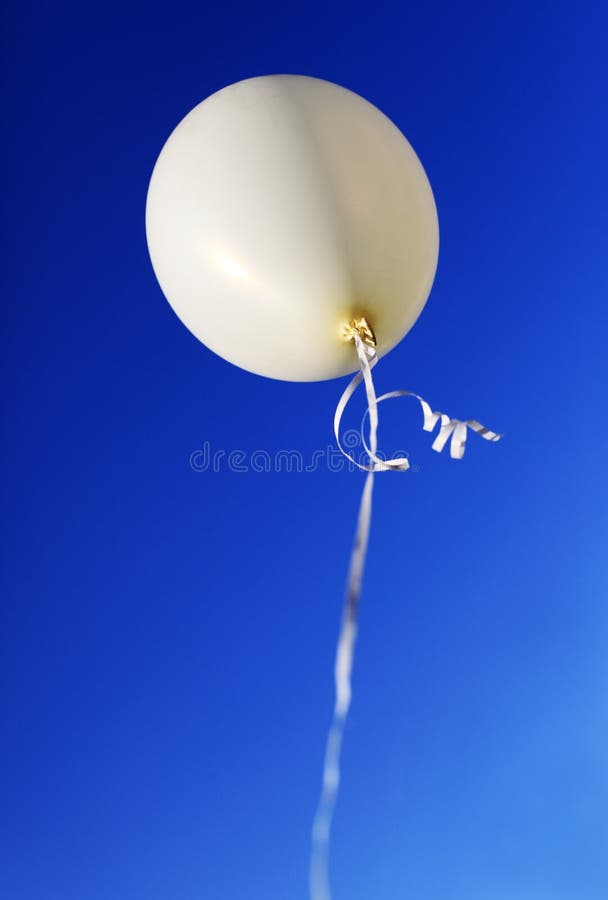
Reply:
x=457, y=430
x=367, y=360
x=319, y=861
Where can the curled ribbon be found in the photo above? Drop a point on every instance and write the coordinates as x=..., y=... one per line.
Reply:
x=457, y=429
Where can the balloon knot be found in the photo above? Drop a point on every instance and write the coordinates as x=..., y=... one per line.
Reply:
x=361, y=328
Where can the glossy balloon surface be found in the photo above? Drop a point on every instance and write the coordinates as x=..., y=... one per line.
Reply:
x=279, y=209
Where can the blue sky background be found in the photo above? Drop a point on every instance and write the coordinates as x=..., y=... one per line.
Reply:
x=168, y=635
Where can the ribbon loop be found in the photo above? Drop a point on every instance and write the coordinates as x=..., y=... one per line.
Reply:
x=453, y=430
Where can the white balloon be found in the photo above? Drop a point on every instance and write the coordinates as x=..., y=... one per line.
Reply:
x=281, y=208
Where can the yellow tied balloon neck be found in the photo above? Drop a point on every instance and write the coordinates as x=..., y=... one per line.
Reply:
x=360, y=328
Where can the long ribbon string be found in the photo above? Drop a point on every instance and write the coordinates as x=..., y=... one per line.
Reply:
x=457, y=430
x=319, y=862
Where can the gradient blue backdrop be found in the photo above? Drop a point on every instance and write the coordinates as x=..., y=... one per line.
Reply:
x=168, y=635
